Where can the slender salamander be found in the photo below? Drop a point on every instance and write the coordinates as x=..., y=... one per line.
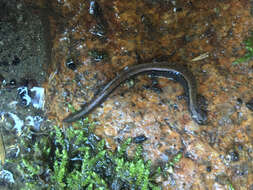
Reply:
x=174, y=71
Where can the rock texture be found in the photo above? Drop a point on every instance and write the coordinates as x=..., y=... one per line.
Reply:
x=93, y=40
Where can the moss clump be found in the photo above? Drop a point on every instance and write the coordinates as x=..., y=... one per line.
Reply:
x=75, y=158
x=249, y=54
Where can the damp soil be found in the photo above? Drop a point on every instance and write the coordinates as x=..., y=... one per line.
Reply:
x=22, y=61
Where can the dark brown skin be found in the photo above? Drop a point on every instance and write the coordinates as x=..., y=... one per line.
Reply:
x=175, y=71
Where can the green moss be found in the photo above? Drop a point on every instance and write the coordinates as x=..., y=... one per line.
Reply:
x=169, y=167
x=176, y=159
x=75, y=158
x=249, y=51
x=230, y=187
x=71, y=108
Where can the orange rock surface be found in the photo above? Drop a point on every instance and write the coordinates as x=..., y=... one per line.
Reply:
x=123, y=33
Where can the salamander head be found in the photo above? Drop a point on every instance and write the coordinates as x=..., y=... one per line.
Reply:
x=200, y=116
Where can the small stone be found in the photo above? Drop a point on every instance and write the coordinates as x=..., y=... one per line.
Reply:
x=70, y=63
x=139, y=139
x=208, y=168
x=13, y=82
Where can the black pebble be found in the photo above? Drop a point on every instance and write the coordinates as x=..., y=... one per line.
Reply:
x=13, y=82
x=71, y=64
x=95, y=9
x=208, y=168
x=239, y=101
x=139, y=139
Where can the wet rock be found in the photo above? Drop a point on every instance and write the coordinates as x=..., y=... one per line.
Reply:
x=130, y=36
x=139, y=139
x=12, y=83
x=29, y=94
x=9, y=122
x=24, y=96
x=4, y=63
x=6, y=177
